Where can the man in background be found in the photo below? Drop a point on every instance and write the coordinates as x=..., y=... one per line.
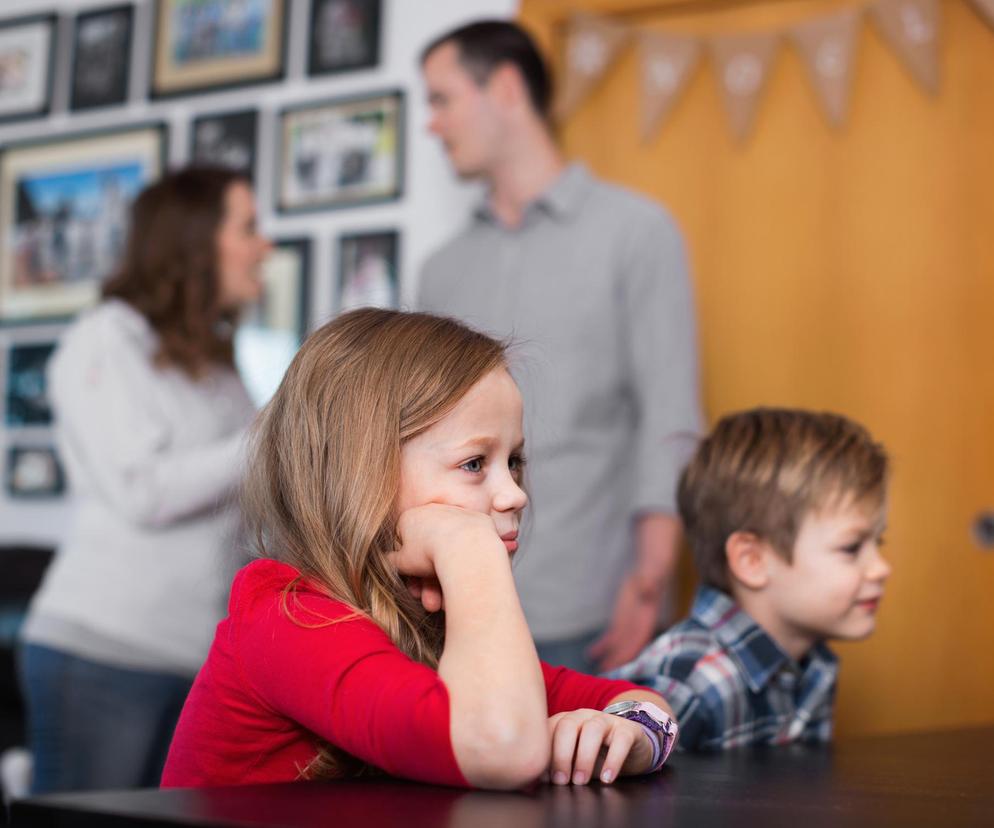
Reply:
x=591, y=282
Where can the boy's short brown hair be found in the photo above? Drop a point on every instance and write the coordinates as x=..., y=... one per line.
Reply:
x=763, y=470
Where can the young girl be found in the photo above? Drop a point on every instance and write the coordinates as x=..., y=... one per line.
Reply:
x=386, y=487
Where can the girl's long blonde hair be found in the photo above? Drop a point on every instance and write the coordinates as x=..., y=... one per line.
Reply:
x=324, y=474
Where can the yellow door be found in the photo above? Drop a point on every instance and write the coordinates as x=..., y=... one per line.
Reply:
x=849, y=270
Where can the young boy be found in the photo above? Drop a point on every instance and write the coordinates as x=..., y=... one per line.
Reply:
x=784, y=511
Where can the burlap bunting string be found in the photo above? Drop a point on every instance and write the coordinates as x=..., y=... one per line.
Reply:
x=826, y=44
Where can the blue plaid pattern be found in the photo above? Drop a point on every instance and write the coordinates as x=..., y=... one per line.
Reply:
x=730, y=684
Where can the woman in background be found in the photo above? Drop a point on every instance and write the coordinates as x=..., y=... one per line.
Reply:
x=150, y=417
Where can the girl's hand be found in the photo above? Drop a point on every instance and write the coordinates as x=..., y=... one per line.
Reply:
x=428, y=534
x=588, y=744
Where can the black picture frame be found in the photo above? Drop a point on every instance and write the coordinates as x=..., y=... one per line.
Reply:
x=64, y=205
x=344, y=36
x=368, y=270
x=101, y=57
x=27, y=64
x=34, y=473
x=227, y=139
x=26, y=392
x=185, y=61
x=342, y=152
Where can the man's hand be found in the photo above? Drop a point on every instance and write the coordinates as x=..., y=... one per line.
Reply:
x=636, y=613
x=640, y=599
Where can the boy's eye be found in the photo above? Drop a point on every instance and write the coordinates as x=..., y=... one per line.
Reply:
x=475, y=465
x=853, y=548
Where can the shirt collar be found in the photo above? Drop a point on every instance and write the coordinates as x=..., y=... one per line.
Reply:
x=757, y=655
x=561, y=199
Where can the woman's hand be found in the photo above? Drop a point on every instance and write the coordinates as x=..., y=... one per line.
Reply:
x=428, y=534
x=588, y=744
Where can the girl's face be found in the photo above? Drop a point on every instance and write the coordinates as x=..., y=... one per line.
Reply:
x=240, y=250
x=472, y=457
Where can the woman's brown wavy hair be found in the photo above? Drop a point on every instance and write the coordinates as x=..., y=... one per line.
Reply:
x=169, y=270
x=324, y=475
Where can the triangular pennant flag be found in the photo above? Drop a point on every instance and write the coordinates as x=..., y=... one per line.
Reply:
x=986, y=8
x=592, y=44
x=911, y=27
x=826, y=45
x=742, y=62
x=667, y=63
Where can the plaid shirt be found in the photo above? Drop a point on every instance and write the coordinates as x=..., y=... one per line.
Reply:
x=730, y=684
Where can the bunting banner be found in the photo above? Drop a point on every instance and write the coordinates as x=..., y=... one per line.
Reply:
x=743, y=62
x=827, y=47
x=592, y=45
x=667, y=62
x=986, y=9
x=911, y=27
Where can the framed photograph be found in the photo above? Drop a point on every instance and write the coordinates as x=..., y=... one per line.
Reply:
x=64, y=206
x=272, y=330
x=27, y=387
x=101, y=57
x=27, y=56
x=205, y=45
x=345, y=35
x=341, y=153
x=368, y=270
x=34, y=472
x=227, y=139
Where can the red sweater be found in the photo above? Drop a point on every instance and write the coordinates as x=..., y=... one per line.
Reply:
x=272, y=688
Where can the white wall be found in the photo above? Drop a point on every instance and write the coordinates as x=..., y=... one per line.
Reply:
x=432, y=208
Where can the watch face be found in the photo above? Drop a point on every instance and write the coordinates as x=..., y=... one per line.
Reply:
x=621, y=707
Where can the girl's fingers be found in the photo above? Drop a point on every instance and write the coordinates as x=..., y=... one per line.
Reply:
x=431, y=595
x=563, y=747
x=588, y=746
x=620, y=745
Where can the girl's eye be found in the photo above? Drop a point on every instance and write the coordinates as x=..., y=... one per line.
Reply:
x=516, y=463
x=475, y=465
x=853, y=548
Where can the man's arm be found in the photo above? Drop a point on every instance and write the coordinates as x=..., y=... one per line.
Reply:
x=657, y=317
x=642, y=593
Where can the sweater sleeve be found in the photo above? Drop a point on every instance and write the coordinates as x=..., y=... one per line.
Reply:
x=348, y=683
x=103, y=384
x=569, y=690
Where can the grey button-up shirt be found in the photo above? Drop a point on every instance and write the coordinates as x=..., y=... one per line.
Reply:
x=592, y=289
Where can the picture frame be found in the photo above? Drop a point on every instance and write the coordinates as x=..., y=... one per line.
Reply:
x=64, y=205
x=344, y=36
x=340, y=153
x=273, y=329
x=27, y=62
x=34, y=472
x=368, y=270
x=26, y=393
x=227, y=139
x=101, y=57
x=209, y=45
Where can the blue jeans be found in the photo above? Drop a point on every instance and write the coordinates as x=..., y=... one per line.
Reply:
x=94, y=727
x=569, y=652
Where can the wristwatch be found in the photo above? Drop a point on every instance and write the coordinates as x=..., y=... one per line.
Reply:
x=659, y=726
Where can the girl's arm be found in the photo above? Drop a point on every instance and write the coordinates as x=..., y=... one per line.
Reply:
x=489, y=665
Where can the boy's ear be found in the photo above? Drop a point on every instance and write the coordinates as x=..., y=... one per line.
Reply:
x=746, y=556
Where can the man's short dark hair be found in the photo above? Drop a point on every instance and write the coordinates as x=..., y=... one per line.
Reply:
x=486, y=44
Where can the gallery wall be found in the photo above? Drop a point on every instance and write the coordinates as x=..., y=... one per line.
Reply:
x=430, y=207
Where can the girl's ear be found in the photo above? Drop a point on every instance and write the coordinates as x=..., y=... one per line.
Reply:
x=746, y=554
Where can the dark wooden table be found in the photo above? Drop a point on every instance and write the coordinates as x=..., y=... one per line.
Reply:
x=941, y=779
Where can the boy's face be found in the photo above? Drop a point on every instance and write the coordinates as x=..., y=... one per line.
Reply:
x=833, y=586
